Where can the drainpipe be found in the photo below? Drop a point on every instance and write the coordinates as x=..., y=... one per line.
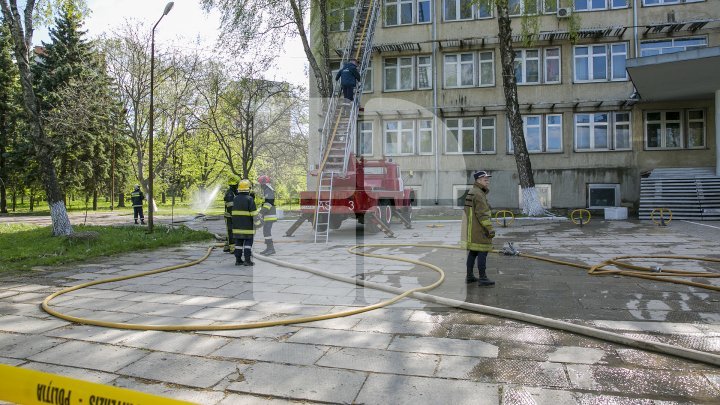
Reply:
x=636, y=39
x=435, y=103
x=717, y=133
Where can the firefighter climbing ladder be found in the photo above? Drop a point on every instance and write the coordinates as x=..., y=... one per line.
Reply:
x=338, y=131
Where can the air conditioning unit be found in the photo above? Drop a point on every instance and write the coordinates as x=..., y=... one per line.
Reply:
x=564, y=12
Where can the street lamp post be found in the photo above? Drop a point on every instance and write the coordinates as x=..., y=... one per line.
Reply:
x=151, y=131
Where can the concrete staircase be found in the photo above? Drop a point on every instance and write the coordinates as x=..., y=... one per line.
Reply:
x=690, y=193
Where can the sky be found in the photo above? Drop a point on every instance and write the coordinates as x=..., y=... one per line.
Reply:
x=186, y=20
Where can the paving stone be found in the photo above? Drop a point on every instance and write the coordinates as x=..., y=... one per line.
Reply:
x=92, y=333
x=163, y=390
x=237, y=399
x=107, y=316
x=520, y=372
x=23, y=346
x=182, y=343
x=90, y=355
x=228, y=314
x=276, y=332
x=73, y=372
x=21, y=309
x=181, y=369
x=381, y=361
x=410, y=328
x=679, y=384
x=408, y=390
x=11, y=362
x=579, y=355
x=300, y=382
x=160, y=309
x=277, y=352
x=456, y=347
x=343, y=338
x=21, y=324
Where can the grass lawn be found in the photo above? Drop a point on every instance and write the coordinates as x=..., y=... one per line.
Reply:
x=23, y=246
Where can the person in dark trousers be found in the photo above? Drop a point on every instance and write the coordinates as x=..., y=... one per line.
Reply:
x=137, y=198
x=348, y=76
x=244, y=212
x=229, y=197
x=268, y=214
x=477, y=228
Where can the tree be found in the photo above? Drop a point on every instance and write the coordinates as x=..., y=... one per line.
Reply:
x=245, y=21
x=21, y=29
x=530, y=198
x=9, y=109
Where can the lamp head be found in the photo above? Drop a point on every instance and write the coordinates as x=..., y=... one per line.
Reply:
x=168, y=7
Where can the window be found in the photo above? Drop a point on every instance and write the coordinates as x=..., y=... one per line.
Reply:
x=484, y=10
x=424, y=72
x=398, y=12
x=602, y=131
x=550, y=6
x=671, y=45
x=459, y=70
x=543, y=133
x=544, y=192
x=662, y=2
x=365, y=138
x=487, y=135
x=398, y=73
x=527, y=66
x=368, y=80
x=487, y=68
x=460, y=135
x=399, y=137
x=424, y=12
x=591, y=5
x=425, y=137
x=667, y=129
x=552, y=65
x=459, y=194
x=340, y=19
x=520, y=7
x=600, y=62
x=603, y=195
x=455, y=10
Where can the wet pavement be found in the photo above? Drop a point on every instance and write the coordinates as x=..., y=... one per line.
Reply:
x=410, y=352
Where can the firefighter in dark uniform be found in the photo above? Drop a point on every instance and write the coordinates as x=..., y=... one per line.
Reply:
x=229, y=197
x=268, y=214
x=137, y=198
x=244, y=212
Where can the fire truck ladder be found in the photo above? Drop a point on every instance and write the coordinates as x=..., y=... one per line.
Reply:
x=338, y=131
x=322, y=212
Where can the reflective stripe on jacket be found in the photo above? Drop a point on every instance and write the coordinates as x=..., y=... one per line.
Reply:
x=267, y=209
x=137, y=198
x=476, y=224
x=243, y=216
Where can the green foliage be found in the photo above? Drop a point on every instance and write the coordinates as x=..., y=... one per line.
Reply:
x=27, y=246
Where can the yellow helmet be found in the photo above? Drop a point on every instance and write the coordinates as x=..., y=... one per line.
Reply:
x=244, y=185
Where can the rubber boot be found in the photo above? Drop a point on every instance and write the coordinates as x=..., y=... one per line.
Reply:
x=270, y=249
x=142, y=222
x=226, y=249
x=484, y=281
x=238, y=257
x=470, y=277
x=248, y=258
x=136, y=222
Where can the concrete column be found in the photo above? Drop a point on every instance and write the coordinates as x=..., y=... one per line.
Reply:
x=717, y=132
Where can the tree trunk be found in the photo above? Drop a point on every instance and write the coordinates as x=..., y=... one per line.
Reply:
x=22, y=42
x=121, y=200
x=162, y=195
x=32, y=202
x=531, y=202
x=95, y=200
x=3, y=190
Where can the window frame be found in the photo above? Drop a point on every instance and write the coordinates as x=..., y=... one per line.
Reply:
x=402, y=132
x=420, y=131
x=521, y=8
x=460, y=129
x=398, y=5
x=458, y=70
x=558, y=58
x=683, y=122
x=458, y=7
x=480, y=63
x=398, y=73
x=668, y=2
x=522, y=62
x=368, y=80
x=608, y=55
x=673, y=40
x=417, y=12
x=611, y=125
x=543, y=127
x=614, y=186
x=362, y=132
x=429, y=67
x=341, y=22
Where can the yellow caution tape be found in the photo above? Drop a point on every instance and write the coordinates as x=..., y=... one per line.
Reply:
x=23, y=386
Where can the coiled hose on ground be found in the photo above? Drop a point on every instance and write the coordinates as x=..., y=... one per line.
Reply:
x=419, y=293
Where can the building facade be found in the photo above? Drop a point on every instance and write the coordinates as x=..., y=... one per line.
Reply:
x=433, y=98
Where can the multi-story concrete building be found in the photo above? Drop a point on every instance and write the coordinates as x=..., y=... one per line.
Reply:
x=609, y=90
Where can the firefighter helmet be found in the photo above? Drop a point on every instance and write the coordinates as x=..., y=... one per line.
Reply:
x=244, y=185
x=264, y=179
x=137, y=187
